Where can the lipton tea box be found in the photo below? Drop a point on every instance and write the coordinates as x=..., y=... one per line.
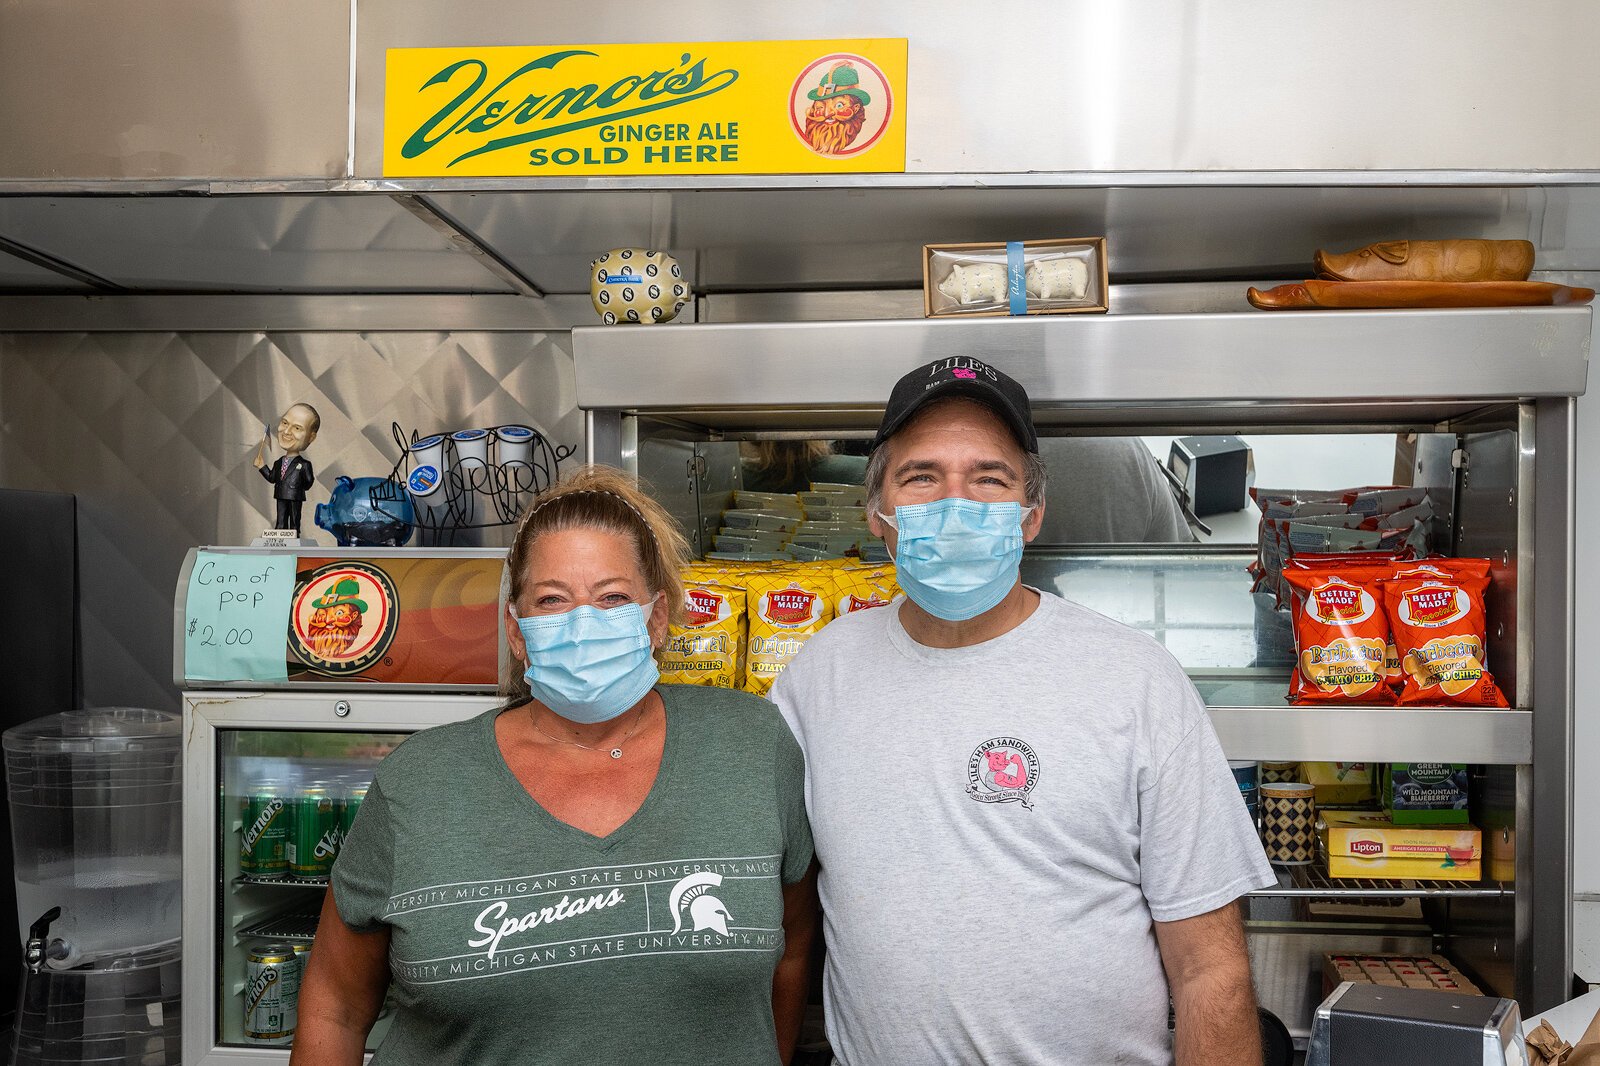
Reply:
x=1368, y=844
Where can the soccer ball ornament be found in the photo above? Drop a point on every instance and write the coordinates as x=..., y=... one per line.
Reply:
x=636, y=285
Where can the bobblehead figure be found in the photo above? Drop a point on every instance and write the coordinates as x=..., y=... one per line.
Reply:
x=291, y=475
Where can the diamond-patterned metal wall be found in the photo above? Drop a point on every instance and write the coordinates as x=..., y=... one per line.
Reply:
x=154, y=432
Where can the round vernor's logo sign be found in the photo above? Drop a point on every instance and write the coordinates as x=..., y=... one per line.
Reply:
x=1002, y=770
x=840, y=105
x=343, y=617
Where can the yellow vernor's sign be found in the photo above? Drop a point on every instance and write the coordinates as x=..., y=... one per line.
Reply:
x=750, y=107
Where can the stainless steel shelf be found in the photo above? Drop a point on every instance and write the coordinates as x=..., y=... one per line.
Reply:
x=1375, y=734
x=1421, y=365
x=282, y=882
x=291, y=927
x=1313, y=881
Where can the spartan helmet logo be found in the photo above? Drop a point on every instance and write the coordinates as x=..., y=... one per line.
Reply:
x=705, y=910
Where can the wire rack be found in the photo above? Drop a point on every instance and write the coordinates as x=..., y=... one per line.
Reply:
x=1313, y=881
x=282, y=882
x=294, y=926
x=472, y=493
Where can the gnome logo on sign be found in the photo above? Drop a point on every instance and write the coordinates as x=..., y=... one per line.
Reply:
x=840, y=105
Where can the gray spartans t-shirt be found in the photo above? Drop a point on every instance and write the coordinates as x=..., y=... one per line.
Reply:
x=516, y=938
x=998, y=826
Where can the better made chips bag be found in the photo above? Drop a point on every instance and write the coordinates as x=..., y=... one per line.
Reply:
x=787, y=607
x=1436, y=611
x=1341, y=635
x=861, y=588
x=708, y=648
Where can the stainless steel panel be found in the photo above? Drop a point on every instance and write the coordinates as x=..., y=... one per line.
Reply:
x=19, y=275
x=1155, y=85
x=154, y=433
x=668, y=467
x=1359, y=734
x=873, y=237
x=1169, y=298
x=174, y=89
x=274, y=312
x=248, y=244
x=1170, y=418
x=1100, y=360
x=1548, y=842
x=1487, y=527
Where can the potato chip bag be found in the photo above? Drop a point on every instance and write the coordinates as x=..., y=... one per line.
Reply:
x=786, y=608
x=861, y=588
x=1341, y=636
x=708, y=647
x=1436, y=611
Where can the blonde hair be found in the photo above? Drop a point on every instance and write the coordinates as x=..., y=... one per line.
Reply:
x=789, y=462
x=606, y=499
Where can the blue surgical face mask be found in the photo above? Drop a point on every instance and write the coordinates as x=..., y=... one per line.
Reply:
x=957, y=558
x=589, y=665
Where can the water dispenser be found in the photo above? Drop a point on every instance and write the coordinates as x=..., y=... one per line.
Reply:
x=96, y=800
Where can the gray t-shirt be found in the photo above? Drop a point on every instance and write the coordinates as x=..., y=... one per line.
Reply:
x=1107, y=490
x=998, y=826
x=517, y=938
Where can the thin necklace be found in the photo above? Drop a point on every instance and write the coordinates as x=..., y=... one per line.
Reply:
x=616, y=752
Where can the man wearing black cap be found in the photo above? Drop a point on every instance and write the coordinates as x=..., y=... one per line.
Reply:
x=1027, y=830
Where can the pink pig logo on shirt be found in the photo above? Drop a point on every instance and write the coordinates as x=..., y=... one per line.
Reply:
x=1003, y=770
x=1007, y=769
x=961, y=373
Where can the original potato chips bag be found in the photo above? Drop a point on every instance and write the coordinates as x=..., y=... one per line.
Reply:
x=1436, y=611
x=786, y=607
x=861, y=588
x=1341, y=636
x=708, y=648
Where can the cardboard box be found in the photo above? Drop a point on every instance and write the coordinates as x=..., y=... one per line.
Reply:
x=1425, y=793
x=939, y=259
x=1339, y=784
x=1395, y=971
x=1368, y=844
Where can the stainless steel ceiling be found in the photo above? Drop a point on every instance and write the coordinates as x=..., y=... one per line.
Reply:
x=744, y=240
x=249, y=244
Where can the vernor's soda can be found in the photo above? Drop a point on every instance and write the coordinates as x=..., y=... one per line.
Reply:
x=314, y=836
x=264, y=833
x=302, y=953
x=271, y=994
x=352, y=806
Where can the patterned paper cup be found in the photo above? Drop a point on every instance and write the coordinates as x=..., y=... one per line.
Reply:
x=1272, y=772
x=1289, y=823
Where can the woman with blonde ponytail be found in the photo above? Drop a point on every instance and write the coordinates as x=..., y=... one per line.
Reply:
x=604, y=868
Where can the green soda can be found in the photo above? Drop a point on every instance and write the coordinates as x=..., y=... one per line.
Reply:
x=314, y=838
x=347, y=814
x=264, y=834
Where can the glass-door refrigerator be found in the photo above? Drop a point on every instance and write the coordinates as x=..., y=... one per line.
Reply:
x=301, y=669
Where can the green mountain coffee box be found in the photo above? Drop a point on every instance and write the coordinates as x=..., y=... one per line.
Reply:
x=1425, y=793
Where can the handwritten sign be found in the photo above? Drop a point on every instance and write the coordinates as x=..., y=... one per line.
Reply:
x=730, y=107
x=236, y=617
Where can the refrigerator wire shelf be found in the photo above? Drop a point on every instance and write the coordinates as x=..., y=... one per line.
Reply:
x=282, y=882
x=1313, y=880
x=295, y=926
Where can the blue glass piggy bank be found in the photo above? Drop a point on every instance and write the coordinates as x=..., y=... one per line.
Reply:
x=367, y=512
